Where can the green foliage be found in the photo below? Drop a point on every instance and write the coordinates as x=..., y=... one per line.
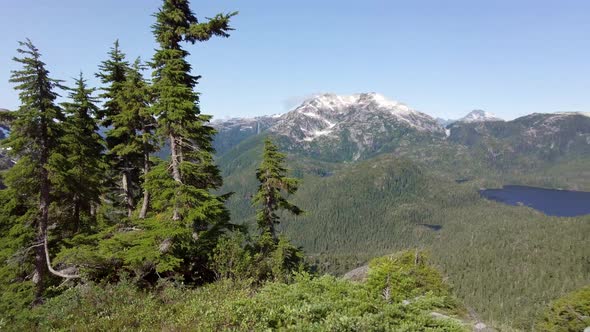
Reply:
x=130, y=123
x=274, y=184
x=232, y=258
x=567, y=314
x=405, y=275
x=307, y=304
x=277, y=259
x=78, y=167
x=16, y=288
x=285, y=259
x=146, y=250
x=236, y=257
x=112, y=73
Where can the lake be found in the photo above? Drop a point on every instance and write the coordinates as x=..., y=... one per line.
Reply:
x=552, y=202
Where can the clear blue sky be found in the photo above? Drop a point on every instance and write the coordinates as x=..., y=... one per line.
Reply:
x=445, y=58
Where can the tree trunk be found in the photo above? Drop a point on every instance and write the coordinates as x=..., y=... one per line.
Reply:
x=269, y=220
x=146, y=169
x=175, y=172
x=126, y=182
x=76, y=214
x=40, y=267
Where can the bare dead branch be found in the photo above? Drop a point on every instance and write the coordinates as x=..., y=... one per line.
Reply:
x=57, y=273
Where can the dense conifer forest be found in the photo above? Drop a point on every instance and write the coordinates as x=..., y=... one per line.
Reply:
x=116, y=213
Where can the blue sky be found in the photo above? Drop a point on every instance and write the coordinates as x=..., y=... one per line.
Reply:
x=445, y=58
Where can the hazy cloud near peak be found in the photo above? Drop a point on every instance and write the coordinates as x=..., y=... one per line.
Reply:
x=294, y=101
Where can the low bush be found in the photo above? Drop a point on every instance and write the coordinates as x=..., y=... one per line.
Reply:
x=306, y=304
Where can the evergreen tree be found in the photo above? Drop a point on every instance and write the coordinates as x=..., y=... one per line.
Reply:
x=274, y=183
x=34, y=140
x=192, y=171
x=81, y=167
x=113, y=73
x=136, y=117
x=189, y=216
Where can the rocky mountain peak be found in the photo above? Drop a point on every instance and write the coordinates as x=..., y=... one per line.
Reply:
x=328, y=115
x=353, y=126
x=479, y=116
x=334, y=102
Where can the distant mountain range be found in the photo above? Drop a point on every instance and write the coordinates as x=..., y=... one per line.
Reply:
x=356, y=127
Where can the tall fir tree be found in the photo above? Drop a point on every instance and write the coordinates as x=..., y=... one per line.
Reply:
x=192, y=170
x=34, y=140
x=189, y=217
x=113, y=74
x=136, y=117
x=274, y=184
x=80, y=172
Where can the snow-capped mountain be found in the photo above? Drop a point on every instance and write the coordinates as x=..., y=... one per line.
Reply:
x=327, y=115
x=479, y=116
x=352, y=126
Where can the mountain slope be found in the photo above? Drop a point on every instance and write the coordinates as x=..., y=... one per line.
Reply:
x=232, y=131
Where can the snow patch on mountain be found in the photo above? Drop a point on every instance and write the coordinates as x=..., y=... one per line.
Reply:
x=479, y=116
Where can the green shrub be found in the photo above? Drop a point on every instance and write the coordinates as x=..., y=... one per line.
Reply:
x=236, y=258
x=404, y=276
x=232, y=258
x=306, y=304
x=569, y=313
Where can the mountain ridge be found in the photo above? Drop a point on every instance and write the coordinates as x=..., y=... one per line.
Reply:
x=330, y=127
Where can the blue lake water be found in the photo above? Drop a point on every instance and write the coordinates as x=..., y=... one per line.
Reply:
x=552, y=202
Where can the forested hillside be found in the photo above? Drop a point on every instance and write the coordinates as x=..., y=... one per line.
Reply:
x=410, y=198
